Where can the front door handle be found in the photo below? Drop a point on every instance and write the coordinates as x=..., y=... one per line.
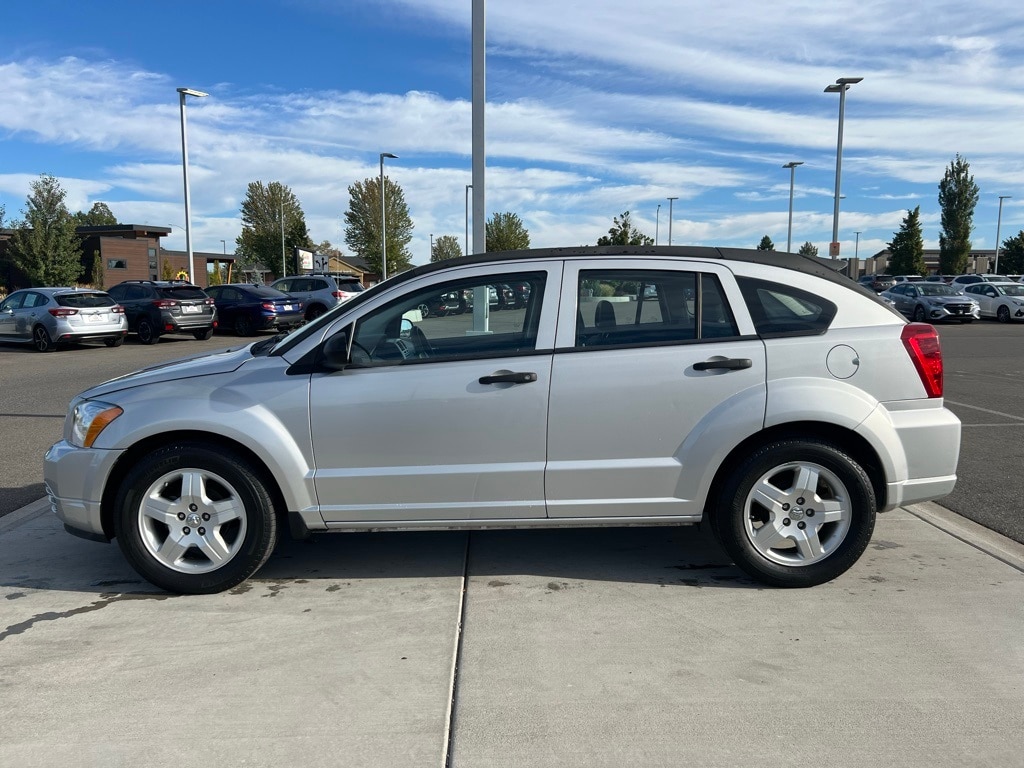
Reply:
x=730, y=364
x=524, y=377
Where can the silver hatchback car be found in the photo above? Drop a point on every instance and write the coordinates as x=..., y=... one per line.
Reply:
x=768, y=396
x=48, y=317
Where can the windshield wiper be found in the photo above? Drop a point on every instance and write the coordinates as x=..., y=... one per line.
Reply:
x=267, y=345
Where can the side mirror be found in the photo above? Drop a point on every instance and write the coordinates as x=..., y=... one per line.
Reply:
x=334, y=354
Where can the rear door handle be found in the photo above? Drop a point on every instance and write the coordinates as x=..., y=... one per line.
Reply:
x=730, y=364
x=524, y=377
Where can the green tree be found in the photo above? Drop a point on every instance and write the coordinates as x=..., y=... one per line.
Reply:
x=958, y=196
x=906, y=251
x=624, y=232
x=45, y=246
x=97, y=270
x=505, y=232
x=99, y=215
x=260, y=241
x=766, y=244
x=1011, y=255
x=808, y=249
x=446, y=247
x=362, y=224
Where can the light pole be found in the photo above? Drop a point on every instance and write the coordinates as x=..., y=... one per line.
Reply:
x=468, y=187
x=841, y=86
x=182, y=93
x=657, y=224
x=856, y=245
x=431, y=246
x=383, y=220
x=670, y=200
x=999, y=224
x=224, y=247
x=792, y=173
x=284, y=269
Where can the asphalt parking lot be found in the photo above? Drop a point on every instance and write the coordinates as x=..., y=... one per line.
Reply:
x=522, y=648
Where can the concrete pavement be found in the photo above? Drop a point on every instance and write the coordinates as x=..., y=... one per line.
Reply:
x=638, y=647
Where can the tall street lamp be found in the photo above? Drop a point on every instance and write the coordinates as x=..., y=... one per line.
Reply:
x=383, y=220
x=182, y=93
x=468, y=187
x=999, y=224
x=856, y=245
x=431, y=246
x=670, y=200
x=792, y=173
x=657, y=223
x=841, y=86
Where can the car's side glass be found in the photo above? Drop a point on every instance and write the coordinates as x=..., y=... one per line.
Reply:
x=33, y=300
x=438, y=323
x=136, y=292
x=13, y=302
x=778, y=309
x=636, y=307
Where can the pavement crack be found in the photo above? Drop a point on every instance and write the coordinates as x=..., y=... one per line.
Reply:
x=103, y=602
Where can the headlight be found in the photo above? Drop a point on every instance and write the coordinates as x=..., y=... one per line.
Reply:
x=89, y=418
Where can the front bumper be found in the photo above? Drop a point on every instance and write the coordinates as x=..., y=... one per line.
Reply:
x=75, y=479
x=953, y=312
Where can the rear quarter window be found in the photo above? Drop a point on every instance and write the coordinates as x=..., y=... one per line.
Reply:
x=781, y=310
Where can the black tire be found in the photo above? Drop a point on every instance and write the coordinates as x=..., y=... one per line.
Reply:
x=204, y=335
x=800, y=546
x=175, y=544
x=315, y=311
x=1003, y=315
x=918, y=314
x=41, y=340
x=967, y=320
x=117, y=341
x=147, y=333
x=243, y=326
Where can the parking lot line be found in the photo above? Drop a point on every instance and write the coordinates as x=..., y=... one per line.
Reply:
x=986, y=410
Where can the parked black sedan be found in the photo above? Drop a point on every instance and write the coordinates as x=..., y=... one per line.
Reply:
x=247, y=309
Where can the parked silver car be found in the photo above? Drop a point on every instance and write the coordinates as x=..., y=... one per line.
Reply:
x=930, y=302
x=767, y=395
x=49, y=317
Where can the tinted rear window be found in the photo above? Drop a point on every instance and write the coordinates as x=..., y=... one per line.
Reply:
x=778, y=309
x=182, y=292
x=352, y=286
x=84, y=300
x=266, y=292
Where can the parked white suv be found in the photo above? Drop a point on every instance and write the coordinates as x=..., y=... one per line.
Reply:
x=766, y=395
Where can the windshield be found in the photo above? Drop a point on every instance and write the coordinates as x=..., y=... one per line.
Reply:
x=935, y=289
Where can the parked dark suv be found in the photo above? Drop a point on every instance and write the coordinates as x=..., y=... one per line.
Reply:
x=878, y=283
x=157, y=307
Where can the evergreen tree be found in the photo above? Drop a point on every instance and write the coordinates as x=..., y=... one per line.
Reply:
x=505, y=232
x=45, y=246
x=958, y=196
x=1011, y=255
x=446, y=247
x=260, y=241
x=362, y=225
x=99, y=215
x=766, y=244
x=624, y=232
x=906, y=251
x=807, y=249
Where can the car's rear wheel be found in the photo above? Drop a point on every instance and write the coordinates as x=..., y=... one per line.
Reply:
x=41, y=340
x=796, y=513
x=315, y=311
x=1003, y=315
x=147, y=333
x=204, y=335
x=194, y=520
x=243, y=325
x=116, y=341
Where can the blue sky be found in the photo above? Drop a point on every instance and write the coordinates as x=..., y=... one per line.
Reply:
x=594, y=107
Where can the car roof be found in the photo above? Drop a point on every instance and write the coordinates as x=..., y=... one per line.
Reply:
x=793, y=261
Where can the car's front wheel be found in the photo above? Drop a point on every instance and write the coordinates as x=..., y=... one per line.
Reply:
x=796, y=513
x=194, y=519
x=918, y=314
x=1003, y=315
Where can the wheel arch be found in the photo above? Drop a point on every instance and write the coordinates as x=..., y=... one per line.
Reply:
x=848, y=441
x=134, y=454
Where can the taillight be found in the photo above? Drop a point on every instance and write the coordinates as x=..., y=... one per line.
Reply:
x=117, y=309
x=269, y=306
x=209, y=302
x=338, y=294
x=165, y=303
x=63, y=312
x=922, y=343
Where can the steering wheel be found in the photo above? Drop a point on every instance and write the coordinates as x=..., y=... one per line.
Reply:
x=421, y=345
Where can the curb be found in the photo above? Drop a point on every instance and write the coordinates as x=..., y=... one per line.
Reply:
x=30, y=511
x=994, y=544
